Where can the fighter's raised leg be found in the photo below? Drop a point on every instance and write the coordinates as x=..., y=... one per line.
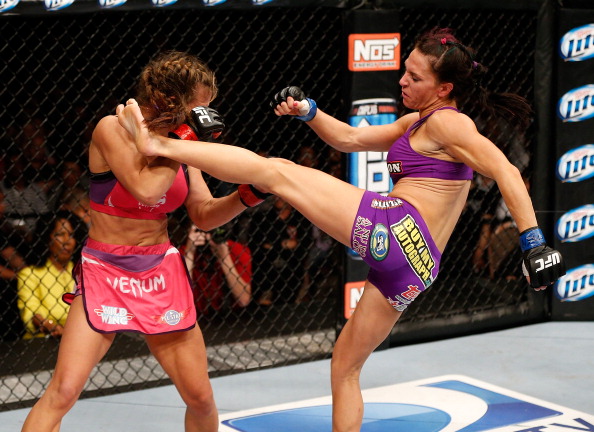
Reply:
x=332, y=207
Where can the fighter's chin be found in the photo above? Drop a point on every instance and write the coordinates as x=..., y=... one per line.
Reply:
x=407, y=102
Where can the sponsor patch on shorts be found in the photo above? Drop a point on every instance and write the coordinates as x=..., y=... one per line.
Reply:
x=410, y=238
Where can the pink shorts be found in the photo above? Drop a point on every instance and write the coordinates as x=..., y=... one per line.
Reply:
x=143, y=289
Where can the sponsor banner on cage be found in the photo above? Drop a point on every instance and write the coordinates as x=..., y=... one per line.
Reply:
x=447, y=403
x=576, y=224
x=40, y=7
x=574, y=168
x=368, y=170
x=578, y=44
x=576, y=285
x=352, y=294
x=577, y=164
x=374, y=52
x=373, y=62
x=6, y=5
x=577, y=104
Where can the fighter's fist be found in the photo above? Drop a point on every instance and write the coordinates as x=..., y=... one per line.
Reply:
x=293, y=91
x=540, y=263
x=307, y=109
x=205, y=124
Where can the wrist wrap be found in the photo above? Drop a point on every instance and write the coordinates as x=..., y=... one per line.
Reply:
x=313, y=110
x=250, y=196
x=184, y=132
x=531, y=238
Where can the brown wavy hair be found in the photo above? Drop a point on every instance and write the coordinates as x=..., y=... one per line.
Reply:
x=167, y=85
x=455, y=63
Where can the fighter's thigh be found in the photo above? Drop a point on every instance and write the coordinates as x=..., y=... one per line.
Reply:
x=366, y=329
x=329, y=203
x=183, y=357
x=81, y=347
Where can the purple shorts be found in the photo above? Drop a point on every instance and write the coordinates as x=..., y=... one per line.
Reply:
x=391, y=237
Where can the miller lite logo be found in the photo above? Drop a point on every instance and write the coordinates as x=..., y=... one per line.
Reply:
x=6, y=5
x=260, y=2
x=578, y=44
x=576, y=165
x=107, y=4
x=374, y=52
x=576, y=224
x=577, y=284
x=577, y=104
x=162, y=3
x=54, y=5
x=213, y=2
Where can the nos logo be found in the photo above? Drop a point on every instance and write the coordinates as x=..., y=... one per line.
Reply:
x=374, y=52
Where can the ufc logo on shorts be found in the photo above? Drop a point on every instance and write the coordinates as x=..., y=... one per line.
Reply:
x=374, y=52
x=550, y=261
x=202, y=115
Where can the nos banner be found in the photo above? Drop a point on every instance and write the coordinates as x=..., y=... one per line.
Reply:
x=574, y=226
x=374, y=69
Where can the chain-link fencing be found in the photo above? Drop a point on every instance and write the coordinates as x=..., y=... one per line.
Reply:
x=62, y=73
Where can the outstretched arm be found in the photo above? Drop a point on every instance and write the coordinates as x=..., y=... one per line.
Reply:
x=338, y=134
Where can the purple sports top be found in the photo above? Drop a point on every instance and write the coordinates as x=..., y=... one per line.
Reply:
x=403, y=161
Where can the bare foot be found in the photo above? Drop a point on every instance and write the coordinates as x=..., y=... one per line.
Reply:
x=130, y=118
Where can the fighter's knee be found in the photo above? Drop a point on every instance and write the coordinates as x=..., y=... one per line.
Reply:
x=201, y=403
x=277, y=175
x=63, y=395
x=342, y=370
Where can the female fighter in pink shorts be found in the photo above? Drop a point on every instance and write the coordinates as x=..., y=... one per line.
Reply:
x=130, y=277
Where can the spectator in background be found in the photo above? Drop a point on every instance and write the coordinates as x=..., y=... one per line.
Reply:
x=11, y=261
x=319, y=260
x=76, y=202
x=73, y=181
x=41, y=164
x=218, y=266
x=278, y=244
x=29, y=178
x=496, y=251
x=41, y=285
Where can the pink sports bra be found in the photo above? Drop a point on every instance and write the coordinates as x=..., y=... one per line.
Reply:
x=403, y=161
x=108, y=195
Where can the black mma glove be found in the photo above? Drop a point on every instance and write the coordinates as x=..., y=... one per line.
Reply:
x=310, y=109
x=250, y=196
x=541, y=263
x=206, y=124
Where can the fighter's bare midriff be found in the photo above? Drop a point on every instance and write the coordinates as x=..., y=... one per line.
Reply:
x=126, y=231
x=430, y=196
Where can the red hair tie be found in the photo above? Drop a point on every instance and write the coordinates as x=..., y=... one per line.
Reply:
x=443, y=41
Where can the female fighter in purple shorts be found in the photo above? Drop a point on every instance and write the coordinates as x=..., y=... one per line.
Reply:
x=432, y=153
x=130, y=277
